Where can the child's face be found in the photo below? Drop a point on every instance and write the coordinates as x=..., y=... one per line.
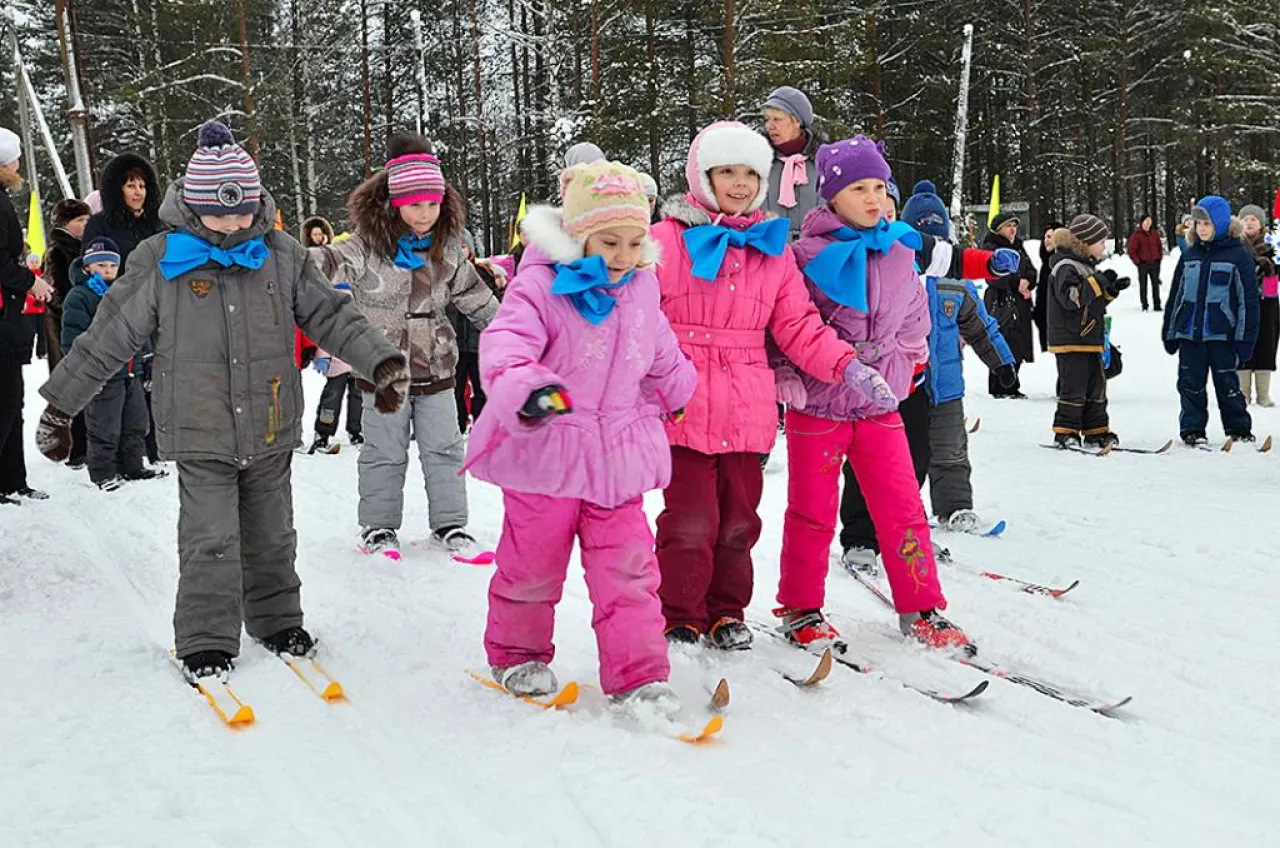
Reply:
x=734, y=187
x=890, y=210
x=76, y=226
x=227, y=224
x=621, y=248
x=1095, y=249
x=105, y=270
x=1204, y=230
x=420, y=217
x=861, y=203
x=1252, y=226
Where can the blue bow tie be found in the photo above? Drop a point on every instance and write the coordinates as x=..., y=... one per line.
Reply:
x=405, y=247
x=97, y=285
x=708, y=243
x=840, y=269
x=184, y=252
x=586, y=282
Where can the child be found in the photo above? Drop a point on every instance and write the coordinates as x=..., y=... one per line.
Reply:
x=1211, y=321
x=1077, y=332
x=339, y=382
x=728, y=277
x=581, y=320
x=1263, y=362
x=406, y=263
x=115, y=420
x=220, y=295
x=860, y=271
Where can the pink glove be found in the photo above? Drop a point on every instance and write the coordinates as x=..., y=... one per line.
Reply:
x=790, y=389
x=868, y=382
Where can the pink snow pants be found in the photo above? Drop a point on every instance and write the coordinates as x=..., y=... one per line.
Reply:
x=622, y=580
x=877, y=450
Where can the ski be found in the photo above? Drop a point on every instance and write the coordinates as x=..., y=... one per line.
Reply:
x=481, y=558
x=221, y=698
x=1264, y=447
x=1165, y=448
x=1079, y=449
x=989, y=532
x=974, y=429
x=720, y=697
x=567, y=696
x=819, y=674
x=313, y=674
x=1030, y=588
x=392, y=554
x=713, y=726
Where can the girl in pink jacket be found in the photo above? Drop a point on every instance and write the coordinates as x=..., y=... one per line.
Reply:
x=860, y=271
x=728, y=277
x=578, y=365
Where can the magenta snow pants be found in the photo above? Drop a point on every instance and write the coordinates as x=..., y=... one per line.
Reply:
x=877, y=450
x=622, y=580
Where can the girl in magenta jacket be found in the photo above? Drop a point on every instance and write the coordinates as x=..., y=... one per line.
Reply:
x=860, y=271
x=579, y=365
x=727, y=278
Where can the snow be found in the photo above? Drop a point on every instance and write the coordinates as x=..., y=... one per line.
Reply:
x=104, y=746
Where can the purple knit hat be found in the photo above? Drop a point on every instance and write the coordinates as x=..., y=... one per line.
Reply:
x=221, y=178
x=846, y=162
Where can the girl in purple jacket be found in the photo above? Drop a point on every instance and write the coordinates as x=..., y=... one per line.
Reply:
x=860, y=271
x=580, y=365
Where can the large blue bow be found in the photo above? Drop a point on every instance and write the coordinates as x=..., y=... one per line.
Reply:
x=97, y=285
x=586, y=282
x=708, y=243
x=840, y=268
x=184, y=252
x=405, y=247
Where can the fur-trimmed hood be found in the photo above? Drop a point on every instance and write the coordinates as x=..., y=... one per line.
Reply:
x=111, y=188
x=310, y=224
x=727, y=143
x=1235, y=230
x=369, y=210
x=686, y=209
x=542, y=231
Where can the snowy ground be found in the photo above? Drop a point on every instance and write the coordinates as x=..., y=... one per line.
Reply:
x=102, y=745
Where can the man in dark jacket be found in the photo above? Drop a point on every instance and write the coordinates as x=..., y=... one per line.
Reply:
x=1146, y=251
x=1008, y=299
x=1077, y=332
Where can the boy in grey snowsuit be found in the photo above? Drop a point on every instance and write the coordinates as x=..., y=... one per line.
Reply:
x=220, y=296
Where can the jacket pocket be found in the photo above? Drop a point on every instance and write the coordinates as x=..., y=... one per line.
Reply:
x=1219, y=320
x=274, y=297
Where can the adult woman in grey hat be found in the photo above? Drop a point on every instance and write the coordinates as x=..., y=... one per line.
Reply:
x=793, y=180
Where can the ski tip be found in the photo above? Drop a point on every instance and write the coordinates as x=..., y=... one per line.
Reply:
x=567, y=696
x=333, y=692
x=1058, y=593
x=1108, y=709
x=243, y=716
x=710, y=729
x=1228, y=445
x=1165, y=448
x=976, y=425
x=482, y=558
x=720, y=697
x=1000, y=527
x=1265, y=447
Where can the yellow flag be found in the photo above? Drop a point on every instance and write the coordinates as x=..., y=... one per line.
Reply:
x=995, y=201
x=35, y=225
x=515, y=235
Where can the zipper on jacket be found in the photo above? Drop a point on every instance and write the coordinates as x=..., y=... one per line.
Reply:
x=275, y=306
x=273, y=411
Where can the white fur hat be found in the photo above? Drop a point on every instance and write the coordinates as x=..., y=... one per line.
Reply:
x=10, y=146
x=727, y=143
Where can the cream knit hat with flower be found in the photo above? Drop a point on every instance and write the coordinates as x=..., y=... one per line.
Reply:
x=600, y=195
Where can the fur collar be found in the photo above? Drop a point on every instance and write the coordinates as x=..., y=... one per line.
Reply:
x=543, y=229
x=1066, y=241
x=680, y=208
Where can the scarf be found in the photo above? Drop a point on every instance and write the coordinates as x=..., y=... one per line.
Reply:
x=840, y=269
x=708, y=243
x=97, y=285
x=586, y=282
x=406, y=258
x=794, y=173
x=185, y=252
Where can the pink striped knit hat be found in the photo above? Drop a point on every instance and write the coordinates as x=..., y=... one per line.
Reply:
x=221, y=177
x=415, y=178
x=600, y=195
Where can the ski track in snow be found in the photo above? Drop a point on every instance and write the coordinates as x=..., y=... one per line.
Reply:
x=103, y=744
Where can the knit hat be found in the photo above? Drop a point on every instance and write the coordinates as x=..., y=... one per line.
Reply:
x=582, y=153
x=1217, y=211
x=891, y=188
x=925, y=211
x=649, y=184
x=10, y=146
x=600, y=195
x=221, y=178
x=1088, y=228
x=792, y=101
x=66, y=211
x=101, y=249
x=845, y=162
x=1002, y=218
x=414, y=178
x=1252, y=210
x=727, y=143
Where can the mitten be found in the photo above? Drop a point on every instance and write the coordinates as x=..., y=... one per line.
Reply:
x=322, y=364
x=391, y=385
x=53, y=435
x=790, y=389
x=545, y=402
x=1007, y=376
x=868, y=382
x=1003, y=261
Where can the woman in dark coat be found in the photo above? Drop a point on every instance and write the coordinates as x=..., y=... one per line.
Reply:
x=1039, y=311
x=1008, y=299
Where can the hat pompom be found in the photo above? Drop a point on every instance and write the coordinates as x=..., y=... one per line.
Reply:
x=405, y=143
x=925, y=187
x=215, y=134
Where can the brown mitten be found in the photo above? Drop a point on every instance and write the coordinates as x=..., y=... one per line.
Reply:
x=391, y=382
x=53, y=435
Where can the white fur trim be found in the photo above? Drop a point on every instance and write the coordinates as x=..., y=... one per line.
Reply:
x=542, y=229
x=735, y=145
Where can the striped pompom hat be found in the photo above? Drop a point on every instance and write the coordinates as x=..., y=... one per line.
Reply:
x=221, y=177
x=415, y=178
x=601, y=195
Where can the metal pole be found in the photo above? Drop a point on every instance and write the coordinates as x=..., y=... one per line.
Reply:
x=962, y=128
x=416, y=17
x=77, y=114
x=58, y=170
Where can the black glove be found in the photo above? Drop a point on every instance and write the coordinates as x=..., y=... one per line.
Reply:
x=545, y=402
x=1007, y=375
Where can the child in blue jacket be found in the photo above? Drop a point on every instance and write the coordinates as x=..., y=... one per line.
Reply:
x=1211, y=321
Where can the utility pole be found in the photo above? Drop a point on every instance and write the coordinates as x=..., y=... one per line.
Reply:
x=416, y=17
x=962, y=129
x=77, y=114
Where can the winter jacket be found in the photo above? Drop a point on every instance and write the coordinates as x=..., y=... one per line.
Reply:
x=895, y=327
x=1145, y=247
x=806, y=193
x=1006, y=303
x=957, y=312
x=621, y=374
x=16, y=280
x=468, y=334
x=115, y=221
x=1214, y=297
x=78, y=311
x=1079, y=298
x=409, y=306
x=721, y=327
x=225, y=386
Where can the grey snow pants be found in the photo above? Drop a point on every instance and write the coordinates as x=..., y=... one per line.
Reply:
x=949, y=469
x=116, y=430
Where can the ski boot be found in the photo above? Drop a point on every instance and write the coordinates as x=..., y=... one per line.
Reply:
x=1102, y=441
x=293, y=641
x=652, y=701
x=1195, y=438
x=110, y=484
x=145, y=474
x=683, y=634
x=962, y=521
x=32, y=494
x=206, y=664
x=379, y=540
x=456, y=540
x=1246, y=436
x=806, y=628
x=730, y=634
x=864, y=560
x=10, y=500
x=935, y=631
x=528, y=680
x=355, y=439
x=1066, y=440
